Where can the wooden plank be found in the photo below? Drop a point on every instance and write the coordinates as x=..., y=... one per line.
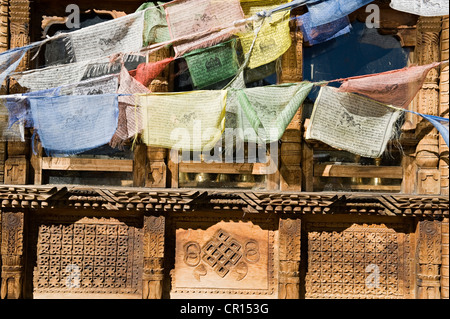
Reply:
x=87, y=164
x=330, y=170
x=224, y=168
x=379, y=188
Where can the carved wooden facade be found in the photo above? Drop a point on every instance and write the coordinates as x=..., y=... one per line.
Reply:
x=155, y=240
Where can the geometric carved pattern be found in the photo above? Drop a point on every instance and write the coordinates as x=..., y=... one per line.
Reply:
x=88, y=257
x=359, y=262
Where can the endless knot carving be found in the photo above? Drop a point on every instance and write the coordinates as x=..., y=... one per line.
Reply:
x=223, y=254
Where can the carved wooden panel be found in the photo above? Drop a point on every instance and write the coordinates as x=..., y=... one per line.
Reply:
x=223, y=259
x=88, y=257
x=12, y=249
x=358, y=261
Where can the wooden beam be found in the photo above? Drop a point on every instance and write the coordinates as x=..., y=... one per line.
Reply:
x=86, y=164
x=224, y=168
x=330, y=170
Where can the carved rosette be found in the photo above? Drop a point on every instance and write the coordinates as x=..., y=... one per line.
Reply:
x=12, y=255
x=429, y=259
x=289, y=280
x=153, y=274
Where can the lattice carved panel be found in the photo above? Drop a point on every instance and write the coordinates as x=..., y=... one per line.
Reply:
x=229, y=259
x=359, y=261
x=88, y=257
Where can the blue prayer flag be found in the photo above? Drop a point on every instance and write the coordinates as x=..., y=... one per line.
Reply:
x=74, y=124
x=326, y=11
x=325, y=32
x=440, y=123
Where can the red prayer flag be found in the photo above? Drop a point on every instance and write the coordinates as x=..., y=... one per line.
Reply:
x=398, y=87
x=147, y=72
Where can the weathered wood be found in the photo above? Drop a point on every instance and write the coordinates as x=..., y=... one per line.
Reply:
x=153, y=274
x=224, y=168
x=156, y=174
x=290, y=174
x=427, y=158
x=429, y=259
x=445, y=259
x=173, y=169
x=12, y=254
x=139, y=165
x=87, y=164
x=289, y=282
x=332, y=170
x=17, y=164
x=308, y=167
x=444, y=106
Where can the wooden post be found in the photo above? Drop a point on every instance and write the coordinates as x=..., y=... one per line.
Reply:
x=156, y=167
x=12, y=248
x=289, y=278
x=17, y=164
x=445, y=259
x=429, y=259
x=291, y=141
x=153, y=275
x=443, y=106
x=427, y=160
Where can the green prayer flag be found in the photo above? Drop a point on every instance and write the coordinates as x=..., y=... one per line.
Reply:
x=263, y=113
x=156, y=29
x=212, y=65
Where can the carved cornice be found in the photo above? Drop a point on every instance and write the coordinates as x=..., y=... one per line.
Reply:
x=188, y=200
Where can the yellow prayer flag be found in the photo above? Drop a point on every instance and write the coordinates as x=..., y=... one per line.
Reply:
x=273, y=39
x=192, y=120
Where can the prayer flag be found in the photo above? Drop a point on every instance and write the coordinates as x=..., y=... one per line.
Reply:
x=73, y=73
x=191, y=120
x=326, y=11
x=263, y=113
x=74, y=124
x=155, y=23
x=124, y=34
x=274, y=37
x=440, y=123
x=213, y=64
x=398, y=87
x=427, y=8
x=130, y=116
x=147, y=72
x=206, y=22
x=9, y=61
x=325, y=32
x=351, y=122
